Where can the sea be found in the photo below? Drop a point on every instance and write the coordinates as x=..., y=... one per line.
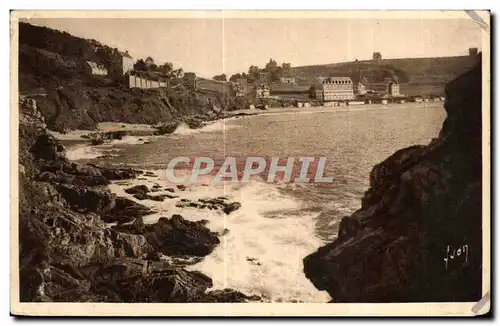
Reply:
x=279, y=223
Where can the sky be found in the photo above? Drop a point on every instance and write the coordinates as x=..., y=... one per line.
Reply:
x=211, y=46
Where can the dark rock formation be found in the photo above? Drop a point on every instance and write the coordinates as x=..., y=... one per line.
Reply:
x=226, y=295
x=137, y=189
x=231, y=207
x=219, y=203
x=119, y=174
x=175, y=236
x=417, y=236
x=167, y=285
x=179, y=236
x=142, y=196
x=125, y=210
x=141, y=192
x=166, y=127
x=68, y=254
x=47, y=148
x=85, y=199
x=100, y=137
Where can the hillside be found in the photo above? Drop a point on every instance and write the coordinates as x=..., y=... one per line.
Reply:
x=52, y=63
x=418, y=76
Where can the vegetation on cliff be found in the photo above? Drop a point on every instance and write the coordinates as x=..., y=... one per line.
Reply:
x=51, y=65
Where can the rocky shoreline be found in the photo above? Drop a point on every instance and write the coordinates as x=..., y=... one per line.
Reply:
x=418, y=235
x=145, y=135
x=78, y=242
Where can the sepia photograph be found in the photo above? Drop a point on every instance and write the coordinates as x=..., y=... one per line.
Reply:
x=245, y=163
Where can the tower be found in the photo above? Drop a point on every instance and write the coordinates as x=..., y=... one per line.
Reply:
x=473, y=52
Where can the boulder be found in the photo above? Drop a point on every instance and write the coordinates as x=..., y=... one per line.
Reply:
x=231, y=207
x=125, y=210
x=48, y=148
x=109, y=135
x=119, y=174
x=142, y=196
x=167, y=285
x=177, y=236
x=166, y=128
x=141, y=189
x=86, y=199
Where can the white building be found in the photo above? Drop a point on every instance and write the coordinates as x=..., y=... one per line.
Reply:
x=135, y=81
x=93, y=68
x=288, y=80
x=262, y=91
x=393, y=89
x=126, y=63
x=334, y=89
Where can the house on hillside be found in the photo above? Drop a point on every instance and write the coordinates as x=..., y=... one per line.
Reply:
x=126, y=63
x=94, y=69
x=334, y=89
x=288, y=80
x=240, y=87
x=262, y=91
x=393, y=89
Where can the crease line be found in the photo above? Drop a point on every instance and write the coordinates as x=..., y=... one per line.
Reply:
x=475, y=17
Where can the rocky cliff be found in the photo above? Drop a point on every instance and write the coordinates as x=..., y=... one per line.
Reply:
x=74, y=245
x=52, y=63
x=418, y=233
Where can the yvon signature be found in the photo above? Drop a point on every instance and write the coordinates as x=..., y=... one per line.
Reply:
x=454, y=254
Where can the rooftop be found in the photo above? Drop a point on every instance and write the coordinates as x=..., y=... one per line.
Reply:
x=125, y=54
x=95, y=65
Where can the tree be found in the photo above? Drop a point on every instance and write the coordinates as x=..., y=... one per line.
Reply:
x=253, y=73
x=276, y=74
x=152, y=67
x=140, y=65
x=286, y=66
x=178, y=73
x=222, y=77
x=166, y=68
x=149, y=61
x=253, y=70
x=271, y=65
x=235, y=77
x=189, y=75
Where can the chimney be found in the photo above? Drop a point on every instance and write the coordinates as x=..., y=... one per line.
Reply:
x=473, y=52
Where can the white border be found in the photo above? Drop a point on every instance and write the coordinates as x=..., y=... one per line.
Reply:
x=249, y=309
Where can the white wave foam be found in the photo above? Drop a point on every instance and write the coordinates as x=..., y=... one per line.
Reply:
x=262, y=253
x=80, y=152
x=219, y=125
